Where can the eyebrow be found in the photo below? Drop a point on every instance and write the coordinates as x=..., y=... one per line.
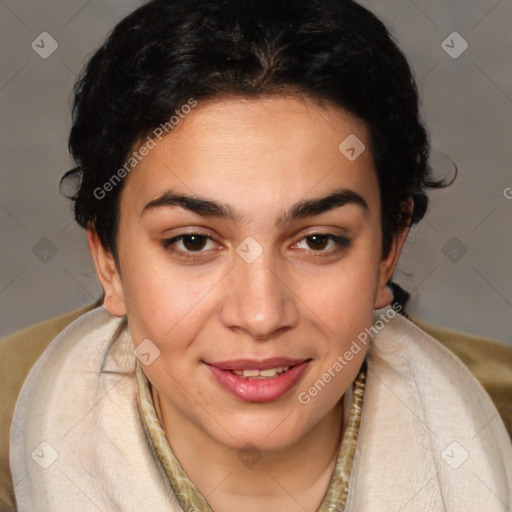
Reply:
x=300, y=210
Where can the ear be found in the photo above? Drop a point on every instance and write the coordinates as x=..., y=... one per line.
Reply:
x=108, y=275
x=388, y=264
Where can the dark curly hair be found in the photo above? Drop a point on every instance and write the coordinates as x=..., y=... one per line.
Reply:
x=167, y=51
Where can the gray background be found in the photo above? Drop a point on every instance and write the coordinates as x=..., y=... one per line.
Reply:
x=457, y=262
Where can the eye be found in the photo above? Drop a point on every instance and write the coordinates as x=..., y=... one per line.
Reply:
x=188, y=243
x=325, y=243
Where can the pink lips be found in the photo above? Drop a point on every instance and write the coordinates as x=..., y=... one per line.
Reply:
x=258, y=390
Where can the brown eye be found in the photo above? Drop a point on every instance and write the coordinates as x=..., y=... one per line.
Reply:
x=324, y=244
x=187, y=243
x=318, y=242
x=194, y=242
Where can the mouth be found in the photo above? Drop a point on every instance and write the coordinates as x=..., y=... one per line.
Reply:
x=258, y=381
x=271, y=373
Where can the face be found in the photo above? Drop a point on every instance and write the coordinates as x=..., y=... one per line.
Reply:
x=250, y=255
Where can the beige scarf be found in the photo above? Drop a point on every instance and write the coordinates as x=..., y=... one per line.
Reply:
x=430, y=438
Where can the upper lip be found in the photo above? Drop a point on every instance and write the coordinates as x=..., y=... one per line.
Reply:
x=254, y=364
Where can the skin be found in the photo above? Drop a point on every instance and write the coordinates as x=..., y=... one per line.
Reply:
x=297, y=299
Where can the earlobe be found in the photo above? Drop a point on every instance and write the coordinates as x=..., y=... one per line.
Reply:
x=384, y=298
x=108, y=274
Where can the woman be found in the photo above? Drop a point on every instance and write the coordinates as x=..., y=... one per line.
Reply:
x=247, y=176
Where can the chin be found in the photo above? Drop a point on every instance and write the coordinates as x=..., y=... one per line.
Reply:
x=272, y=436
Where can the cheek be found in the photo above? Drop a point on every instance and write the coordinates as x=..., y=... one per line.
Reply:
x=343, y=301
x=347, y=312
x=348, y=292
x=156, y=305
x=164, y=302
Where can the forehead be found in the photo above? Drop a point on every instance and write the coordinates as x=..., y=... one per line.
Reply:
x=257, y=154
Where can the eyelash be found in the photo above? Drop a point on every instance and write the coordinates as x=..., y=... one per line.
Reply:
x=342, y=243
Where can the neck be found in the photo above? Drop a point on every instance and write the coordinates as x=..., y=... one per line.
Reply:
x=295, y=478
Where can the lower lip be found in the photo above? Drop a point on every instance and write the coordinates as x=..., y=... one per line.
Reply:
x=259, y=390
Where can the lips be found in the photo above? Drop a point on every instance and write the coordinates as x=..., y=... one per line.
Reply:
x=251, y=380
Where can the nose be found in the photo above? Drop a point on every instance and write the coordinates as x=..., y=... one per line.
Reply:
x=259, y=301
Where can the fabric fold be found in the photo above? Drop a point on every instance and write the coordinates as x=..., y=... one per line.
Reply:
x=430, y=438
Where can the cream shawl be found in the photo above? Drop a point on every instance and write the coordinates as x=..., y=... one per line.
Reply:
x=430, y=438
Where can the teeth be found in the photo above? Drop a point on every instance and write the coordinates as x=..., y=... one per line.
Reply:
x=268, y=373
x=261, y=374
x=250, y=373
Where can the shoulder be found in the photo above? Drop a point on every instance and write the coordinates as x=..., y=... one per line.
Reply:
x=488, y=360
x=426, y=412
x=18, y=353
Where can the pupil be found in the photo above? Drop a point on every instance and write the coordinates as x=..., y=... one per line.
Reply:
x=194, y=242
x=322, y=238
